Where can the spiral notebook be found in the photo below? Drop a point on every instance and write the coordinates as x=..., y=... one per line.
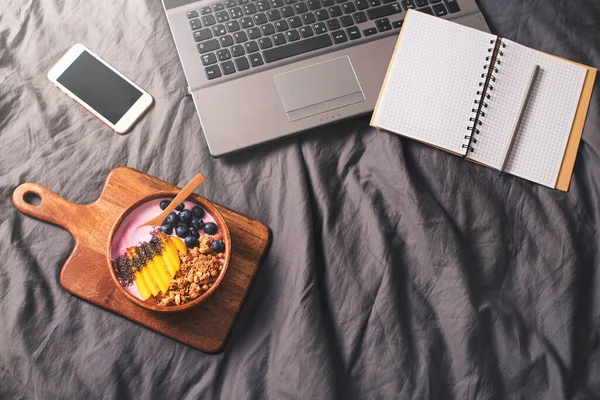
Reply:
x=460, y=89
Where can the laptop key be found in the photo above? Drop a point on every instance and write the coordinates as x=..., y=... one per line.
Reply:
x=279, y=39
x=295, y=22
x=205, y=10
x=384, y=27
x=251, y=47
x=287, y=11
x=256, y=59
x=452, y=6
x=409, y=4
x=353, y=33
x=209, y=45
x=374, y=3
x=300, y=47
x=208, y=20
x=241, y=63
x=242, y=2
x=281, y=26
x=236, y=13
x=218, y=7
x=290, y=1
x=308, y=18
x=335, y=11
x=348, y=8
x=322, y=15
x=382, y=21
x=276, y=3
x=230, y=3
x=237, y=50
x=360, y=17
x=340, y=1
x=327, y=3
x=361, y=4
x=300, y=8
x=333, y=24
x=240, y=37
x=387, y=1
x=397, y=24
x=370, y=31
x=273, y=15
x=232, y=26
x=292, y=35
x=260, y=19
x=306, y=31
x=253, y=33
x=247, y=22
x=219, y=30
x=223, y=55
x=208, y=59
x=319, y=28
x=426, y=10
x=191, y=14
x=384, y=11
x=202, y=34
x=339, y=37
x=267, y=29
x=195, y=24
x=263, y=5
x=226, y=40
x=346, y=20
x=212, y=72
x=249, y=9
x=421, y=3
x=439, y=10
x=314, y=4
x=228, y=67
x=265, y=43
x=222, y=16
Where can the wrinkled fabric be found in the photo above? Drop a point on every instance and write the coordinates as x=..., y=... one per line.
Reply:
x=396, y=271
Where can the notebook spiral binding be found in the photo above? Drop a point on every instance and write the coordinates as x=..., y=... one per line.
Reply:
x=486, y=86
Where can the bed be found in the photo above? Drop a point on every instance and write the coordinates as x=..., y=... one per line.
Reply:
x=395, y=271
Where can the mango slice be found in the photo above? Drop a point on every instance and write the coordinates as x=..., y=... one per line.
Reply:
x=159, y=275
x=141, y=286
x=181, y=247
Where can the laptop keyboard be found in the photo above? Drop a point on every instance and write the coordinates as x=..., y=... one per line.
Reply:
x=235, y=35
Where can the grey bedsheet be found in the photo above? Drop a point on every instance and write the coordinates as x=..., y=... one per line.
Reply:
x=396, y=270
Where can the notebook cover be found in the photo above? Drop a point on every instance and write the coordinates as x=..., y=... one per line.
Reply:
x=566, y=169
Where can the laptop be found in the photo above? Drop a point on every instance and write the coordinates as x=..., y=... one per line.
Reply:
x=259, y=70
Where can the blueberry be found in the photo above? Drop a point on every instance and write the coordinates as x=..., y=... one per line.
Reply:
x=191, y=241
x=172, y=219
x=198, y=211
x=197, y=224
x=185, y=216
x=180, y=207
x=167, y=229
x=210, y=228
x=194, y=233
x=218, y=246
x=164, y=204
x=182, y=231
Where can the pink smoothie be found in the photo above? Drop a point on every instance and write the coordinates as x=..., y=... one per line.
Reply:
x=131, y=234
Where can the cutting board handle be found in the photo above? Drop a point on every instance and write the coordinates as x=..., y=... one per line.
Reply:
x=51, y=207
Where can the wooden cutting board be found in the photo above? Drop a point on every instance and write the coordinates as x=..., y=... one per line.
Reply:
x=86, y=275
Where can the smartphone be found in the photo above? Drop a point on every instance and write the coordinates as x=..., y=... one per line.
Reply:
x=101, y=89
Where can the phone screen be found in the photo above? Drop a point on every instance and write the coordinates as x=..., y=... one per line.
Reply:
x=99, y=87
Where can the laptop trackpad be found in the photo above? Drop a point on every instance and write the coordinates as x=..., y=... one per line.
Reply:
x=318, y=88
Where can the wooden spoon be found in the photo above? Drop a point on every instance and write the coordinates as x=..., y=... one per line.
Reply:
x=185, y=192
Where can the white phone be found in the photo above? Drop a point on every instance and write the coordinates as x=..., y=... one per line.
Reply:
x=101, y=89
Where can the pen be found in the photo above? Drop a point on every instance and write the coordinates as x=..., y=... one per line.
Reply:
x=515, y=129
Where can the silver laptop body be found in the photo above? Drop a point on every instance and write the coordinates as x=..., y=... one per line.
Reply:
x=289, y=82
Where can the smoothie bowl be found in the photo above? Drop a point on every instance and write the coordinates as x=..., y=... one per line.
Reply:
x=174, y=266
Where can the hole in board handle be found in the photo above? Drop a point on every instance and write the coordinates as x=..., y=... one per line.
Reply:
x=32, y=199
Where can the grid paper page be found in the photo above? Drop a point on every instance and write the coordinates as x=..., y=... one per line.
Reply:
x=504, y=103
x=433, y=81
x=542, y=138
